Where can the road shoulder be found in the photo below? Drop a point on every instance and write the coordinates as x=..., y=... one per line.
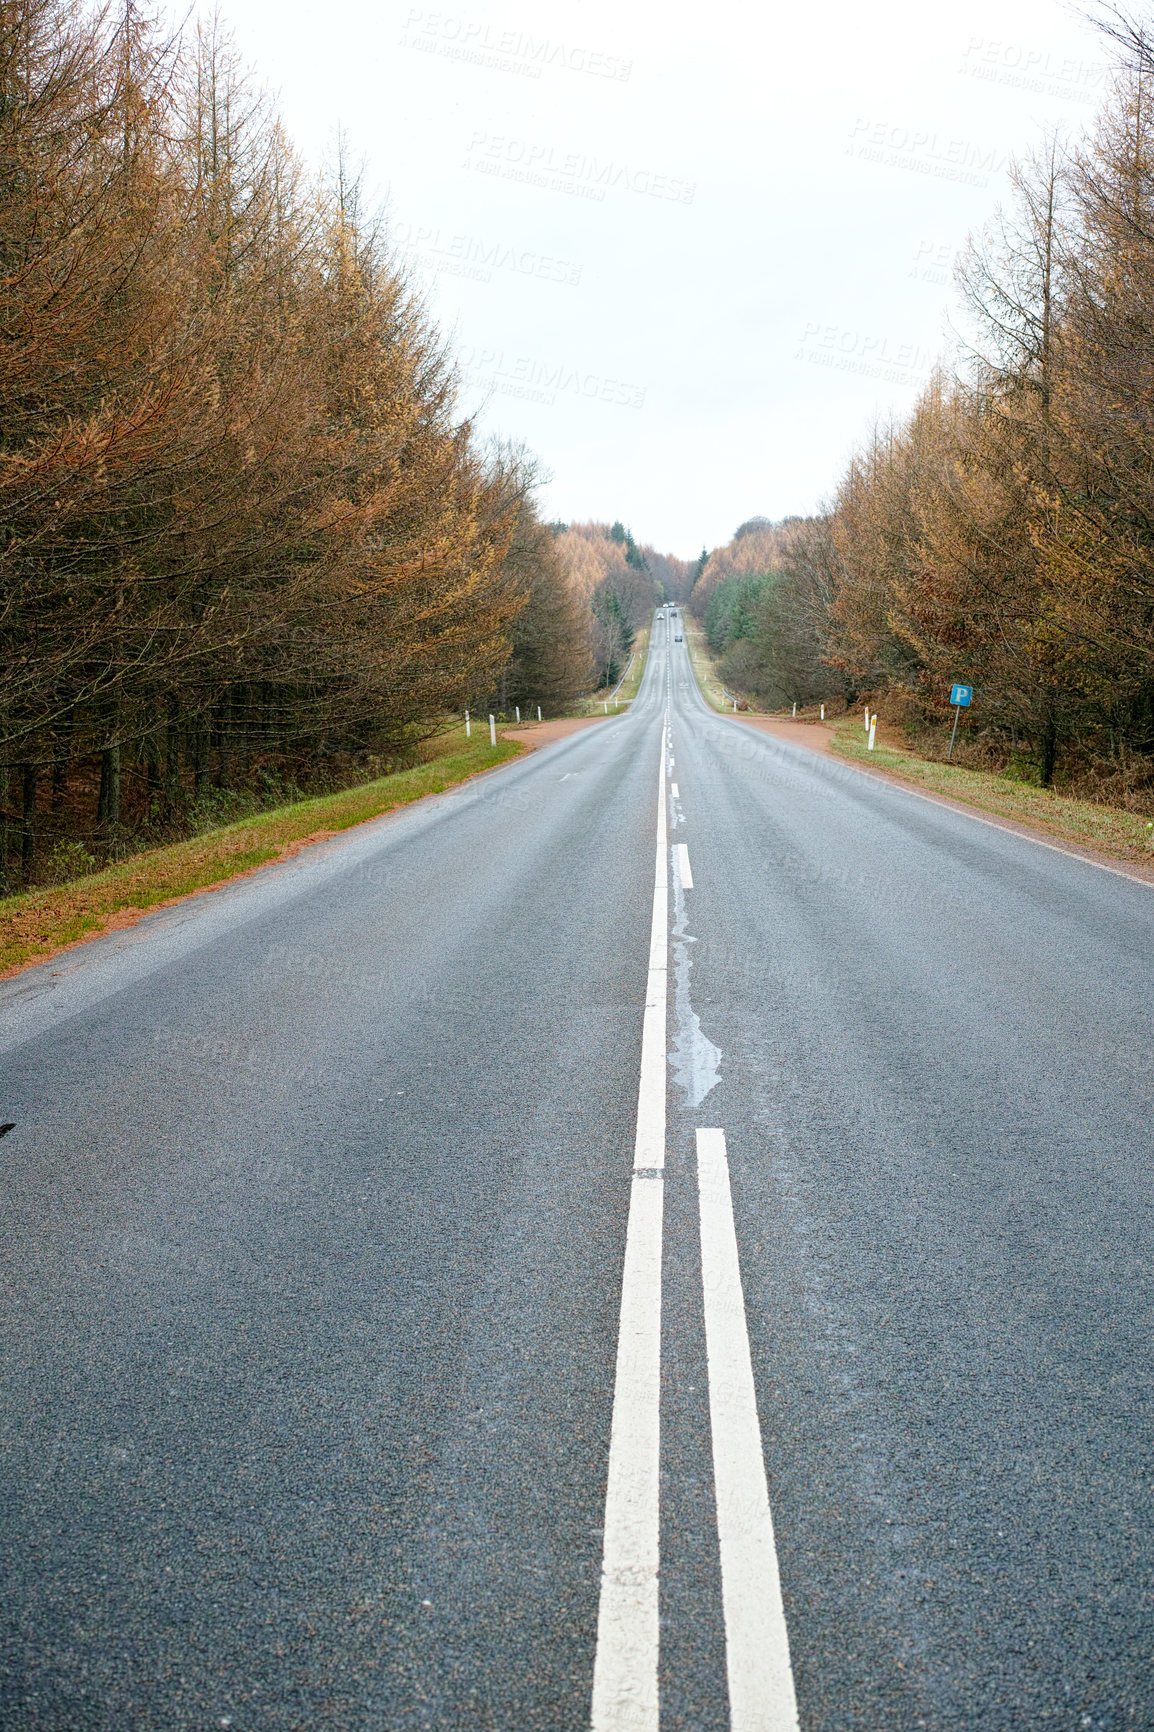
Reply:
x=38, y=925
x=534, y=734
x=815, y=737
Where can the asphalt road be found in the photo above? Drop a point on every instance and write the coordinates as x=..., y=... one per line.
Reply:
x=314, y=1219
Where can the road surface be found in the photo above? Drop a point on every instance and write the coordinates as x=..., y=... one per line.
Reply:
x=315, y=1223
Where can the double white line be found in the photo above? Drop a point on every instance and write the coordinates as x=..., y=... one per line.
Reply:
x=625, y=1694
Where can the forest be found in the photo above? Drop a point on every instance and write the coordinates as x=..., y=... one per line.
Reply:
x=249, y=544
x=1001, y=535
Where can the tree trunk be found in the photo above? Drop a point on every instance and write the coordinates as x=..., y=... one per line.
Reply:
x=1049, y=751
x=152, y=766
x=60, y=769
x=108, y=803
x=5, y=884
x=172, y=758
x=200, y=758
x=222, y=739
x=28, y=839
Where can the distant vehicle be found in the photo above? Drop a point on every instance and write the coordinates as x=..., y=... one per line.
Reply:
x=679, y=638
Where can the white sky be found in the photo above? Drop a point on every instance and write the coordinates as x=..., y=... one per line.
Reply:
x=765, y=266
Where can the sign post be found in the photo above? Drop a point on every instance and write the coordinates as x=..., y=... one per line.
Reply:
x=961, y=697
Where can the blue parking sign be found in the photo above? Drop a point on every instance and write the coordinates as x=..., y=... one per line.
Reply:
x=962, y=695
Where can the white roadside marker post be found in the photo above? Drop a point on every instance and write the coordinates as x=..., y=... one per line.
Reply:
x=468, y=727
x=492, y=731
x=538, y=712
x=517, y=707
x=823, y=712
x=795, y=712
x=873, y=725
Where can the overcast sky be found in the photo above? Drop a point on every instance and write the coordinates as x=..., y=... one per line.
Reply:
x=687, y=254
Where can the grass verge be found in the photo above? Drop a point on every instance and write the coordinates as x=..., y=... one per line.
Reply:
x=705, y=670
x=596, y=705
x=631, y=684
x=1107, y=830
x=38, y=923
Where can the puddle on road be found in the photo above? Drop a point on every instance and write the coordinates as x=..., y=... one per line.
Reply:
x=694, y=1058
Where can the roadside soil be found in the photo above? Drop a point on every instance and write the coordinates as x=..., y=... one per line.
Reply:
x=533, y=734
x=815, y=736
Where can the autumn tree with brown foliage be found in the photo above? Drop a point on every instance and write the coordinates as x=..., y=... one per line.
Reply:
x=1003, y=535
x=551, y=663
x=245, y=533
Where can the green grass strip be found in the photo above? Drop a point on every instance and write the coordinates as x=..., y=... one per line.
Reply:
x=705, y=672
x=631, y=684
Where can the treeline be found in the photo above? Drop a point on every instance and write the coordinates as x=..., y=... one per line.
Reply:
x=1003, y=535
x=245, y=537
x=550, y=640
x=621, y=583
x=764, y=605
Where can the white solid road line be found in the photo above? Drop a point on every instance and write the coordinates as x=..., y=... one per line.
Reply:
x=683, y=866
x=625, y=1669
x=761, y=1693
x=649, y=1147
x=1007, y=828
